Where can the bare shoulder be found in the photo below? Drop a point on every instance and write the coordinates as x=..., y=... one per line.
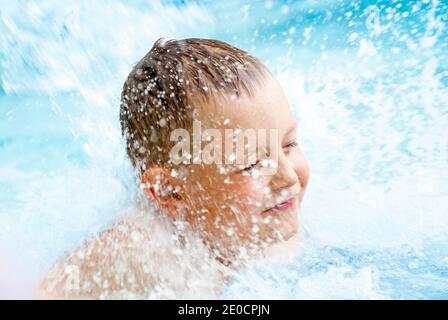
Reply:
x=113, y=263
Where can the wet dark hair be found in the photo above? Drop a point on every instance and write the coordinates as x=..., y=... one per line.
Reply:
x=170, y=81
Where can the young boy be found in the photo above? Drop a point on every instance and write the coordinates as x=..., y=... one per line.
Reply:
x=218, y=207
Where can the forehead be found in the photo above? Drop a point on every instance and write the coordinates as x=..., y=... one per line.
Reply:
x=268, y=108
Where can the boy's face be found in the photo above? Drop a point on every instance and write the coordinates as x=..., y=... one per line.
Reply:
x=230, y=205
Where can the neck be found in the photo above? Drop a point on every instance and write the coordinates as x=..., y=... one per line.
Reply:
x=239, y=255
x=284, y=249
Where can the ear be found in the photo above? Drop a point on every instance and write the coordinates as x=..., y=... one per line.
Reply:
x=160, y=187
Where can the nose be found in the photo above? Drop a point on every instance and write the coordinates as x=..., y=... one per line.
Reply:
x=286, y=176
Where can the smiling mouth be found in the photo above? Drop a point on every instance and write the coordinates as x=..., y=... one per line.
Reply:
x=283, y=206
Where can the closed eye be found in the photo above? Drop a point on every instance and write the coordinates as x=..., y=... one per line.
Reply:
x=292, y=144
x=251, y=166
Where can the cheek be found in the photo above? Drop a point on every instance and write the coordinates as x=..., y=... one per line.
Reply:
x=244, y=193
x=220, y=195
x=302, y=169
x=231, y=205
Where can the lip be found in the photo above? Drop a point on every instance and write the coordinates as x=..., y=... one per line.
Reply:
x=283, y=206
